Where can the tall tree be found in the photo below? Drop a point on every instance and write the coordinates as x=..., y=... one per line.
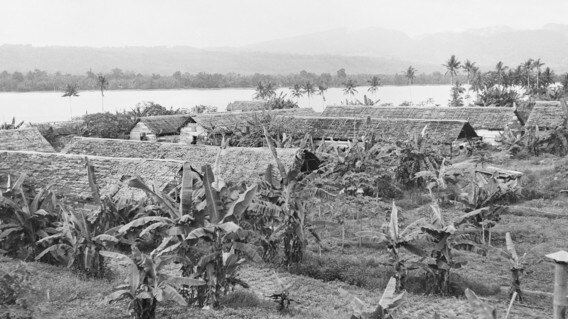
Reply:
x=537, y=64
x=70, y=91
x=322, y=89
x=410, y=76
x=452, y=67
x=374, y=83
x=310, y=90
x=350, y=87
x=265, y=91
x=102, y=83
x=528, y=65
x=297, y=91
x=469, y=68
x=500, y=70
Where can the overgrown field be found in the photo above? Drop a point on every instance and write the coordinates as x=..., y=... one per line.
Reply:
x=375, y=232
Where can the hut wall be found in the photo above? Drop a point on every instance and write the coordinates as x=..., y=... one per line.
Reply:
x=68, y=174
x=236, y=163
x=139, y=130
x=28, y=139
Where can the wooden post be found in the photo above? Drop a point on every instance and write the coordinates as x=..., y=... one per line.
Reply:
x=560, y=284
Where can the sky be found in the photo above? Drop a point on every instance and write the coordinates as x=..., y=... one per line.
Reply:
x=233, y=23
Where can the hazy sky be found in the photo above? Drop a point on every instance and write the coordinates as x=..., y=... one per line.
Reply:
x=206, y=23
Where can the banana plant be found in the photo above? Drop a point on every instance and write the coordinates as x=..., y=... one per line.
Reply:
x=446, y=237
x=282, y=295
x=77, y=244
x=389, y=302
x=148, y=283
x=396, y=239
x=24, y=222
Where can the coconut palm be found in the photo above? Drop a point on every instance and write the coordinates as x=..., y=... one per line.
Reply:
x=322, y=89
x=452, y=67
x=350, y=87
x=374, y=83
x=477, y=83
x=537, y=64
x=265, y=91
x=528, y=66
x=70, y=91
x=500, y=70
x=297, y=91
x=310, y=90
x=102, y=83
x=410, y=75
x=469, y=68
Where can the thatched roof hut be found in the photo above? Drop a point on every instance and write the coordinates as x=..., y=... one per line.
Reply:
x=236, y=163
x=347, y=128
x=246, y=106
x=24, y=139
x=231, y=121
x=548, y=115
x=165, y=124
x=68, y=175
x=480, y=118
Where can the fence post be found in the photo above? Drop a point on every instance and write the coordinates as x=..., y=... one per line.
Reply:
x=560, y=284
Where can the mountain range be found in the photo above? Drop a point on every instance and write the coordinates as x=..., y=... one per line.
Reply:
x=370, y=50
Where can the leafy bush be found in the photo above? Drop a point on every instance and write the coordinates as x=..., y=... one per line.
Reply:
x=107, y=125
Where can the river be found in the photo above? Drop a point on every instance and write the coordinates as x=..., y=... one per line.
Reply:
x=50, y=106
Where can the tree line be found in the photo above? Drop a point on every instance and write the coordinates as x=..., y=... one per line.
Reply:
x=117, y=79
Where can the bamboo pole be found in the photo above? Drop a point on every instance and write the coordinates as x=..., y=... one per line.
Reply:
x=560, y=302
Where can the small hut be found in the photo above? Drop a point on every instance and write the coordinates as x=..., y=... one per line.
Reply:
x=24, y=139
x=236, y=163
x=230, y=122
x=488, y=122
x=159, y=128
x=388, y=130
x=548, y=116
x=246, y=106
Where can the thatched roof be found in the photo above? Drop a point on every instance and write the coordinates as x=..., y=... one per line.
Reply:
x=68, y=174
x=345, y=128
x=236, y=163
x=237, y=120
x=25, y=139
x=246, y=106
x=165, y=124
x=487, y=118
x=548, y=115
x=61, y=128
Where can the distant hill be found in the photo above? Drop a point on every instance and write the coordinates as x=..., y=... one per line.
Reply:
x=370, y=50
x=167, y=60
x=485, y=46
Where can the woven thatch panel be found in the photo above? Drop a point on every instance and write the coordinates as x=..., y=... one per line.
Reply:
x=246, y=106
x=165, y=124
x=68, y=174
x=236, y=163
x=238, y=120
x=525, y=108
x=547, y=116
x=27, y=139
x=342, y=128
x=488, y=118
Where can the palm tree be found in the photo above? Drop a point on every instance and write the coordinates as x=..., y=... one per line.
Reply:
x=452, y=67
x=310, y=90
x=265, y=91
x=477, y=81
x=374, y=83
x=102, y=83
x=528, y=66
x=297, y=91
x=537, y=64
x=350, y=87
x=469, y=68
x=410, y=75
x=500, y=69
x=322, y=89
x=70, y=91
